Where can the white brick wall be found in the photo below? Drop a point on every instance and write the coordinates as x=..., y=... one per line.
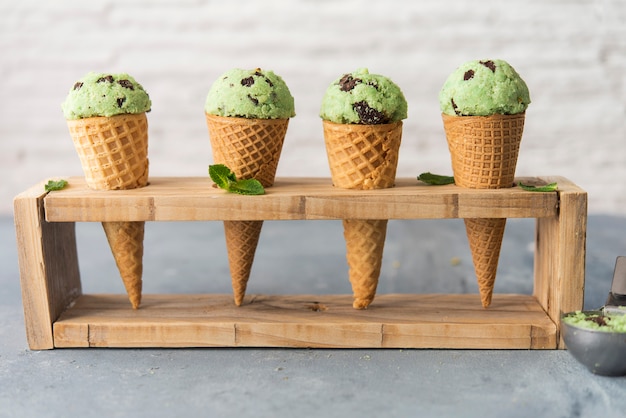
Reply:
x=572, y=54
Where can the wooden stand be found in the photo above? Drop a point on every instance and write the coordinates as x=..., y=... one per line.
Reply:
x=57, y=314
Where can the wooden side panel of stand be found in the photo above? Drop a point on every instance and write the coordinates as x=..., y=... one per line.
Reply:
x=324, y=321
x=559, y=276
x=48, y=262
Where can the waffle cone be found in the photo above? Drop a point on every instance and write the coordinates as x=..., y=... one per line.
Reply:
x=242, y=238
x=113, y=152
x=251, y=148
x=484, y=152
x=365, y=241
x=485, y=239
x=484, y=149
x=126, y=242
x=363, y=157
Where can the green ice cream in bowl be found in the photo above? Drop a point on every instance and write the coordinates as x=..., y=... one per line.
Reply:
x=597, y=338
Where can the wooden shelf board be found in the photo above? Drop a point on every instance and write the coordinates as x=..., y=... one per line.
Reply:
x=195, y=198
x=321, y=321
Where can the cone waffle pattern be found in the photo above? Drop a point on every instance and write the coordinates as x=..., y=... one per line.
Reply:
x=126, y=242
x=484, y=152
x=485, y=238
x=484, y=149
x=242, y=238
x=251, y=149
x=365, y=241
x=113, y=152
x=363, y=157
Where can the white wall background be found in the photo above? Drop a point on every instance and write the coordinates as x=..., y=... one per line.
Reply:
x=572, y=54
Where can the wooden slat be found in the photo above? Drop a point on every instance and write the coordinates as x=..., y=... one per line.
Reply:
x=392, y=321
x=559, y=277
x=194, y=199
x=48, y=264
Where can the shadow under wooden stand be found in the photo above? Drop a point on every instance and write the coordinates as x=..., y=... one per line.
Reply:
x=58, y=314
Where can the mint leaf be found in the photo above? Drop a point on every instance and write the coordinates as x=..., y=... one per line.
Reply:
x=55, y=185
x=222, y=176
x=226, y=179
x=248, y=187
x=435, y=179
x=552, y=187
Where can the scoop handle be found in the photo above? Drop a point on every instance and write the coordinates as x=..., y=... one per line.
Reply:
x=618, y=287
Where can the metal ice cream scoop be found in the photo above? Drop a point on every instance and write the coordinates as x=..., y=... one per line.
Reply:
x=616, y=302
x=602, y=352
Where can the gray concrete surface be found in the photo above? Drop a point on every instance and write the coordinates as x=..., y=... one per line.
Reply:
x=299, y=257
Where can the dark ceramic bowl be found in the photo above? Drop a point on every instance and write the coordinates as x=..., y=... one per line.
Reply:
x=603, y=353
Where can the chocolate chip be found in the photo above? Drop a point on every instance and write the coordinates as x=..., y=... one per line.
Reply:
x=347, y=82
x=78, y=85
x=455, y=107
x=368, y=115
x=253, y=100
x=598, y=320
x=108, y=78
x=258, y=73
x=126, y=84
x=120, y=101
x=371, y=83
x=247, y=81
x=489, y=64
x=469, y=74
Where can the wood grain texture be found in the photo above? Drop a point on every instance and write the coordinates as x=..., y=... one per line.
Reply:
x=392, y=321
x=48, y=264
x=57, y=315
x=195, y=199
x=559, y=276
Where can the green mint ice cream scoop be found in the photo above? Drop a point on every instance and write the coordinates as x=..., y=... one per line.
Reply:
x=103, y=94
x=482, y=88
x=252, y=94
x=363, y=98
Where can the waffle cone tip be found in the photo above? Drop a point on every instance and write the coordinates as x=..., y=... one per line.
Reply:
x=365, y=241
x=485, y=297
x=126, y=243
x=485, y=241
x=242, y=238
x=362, y=304
x=135, y=301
